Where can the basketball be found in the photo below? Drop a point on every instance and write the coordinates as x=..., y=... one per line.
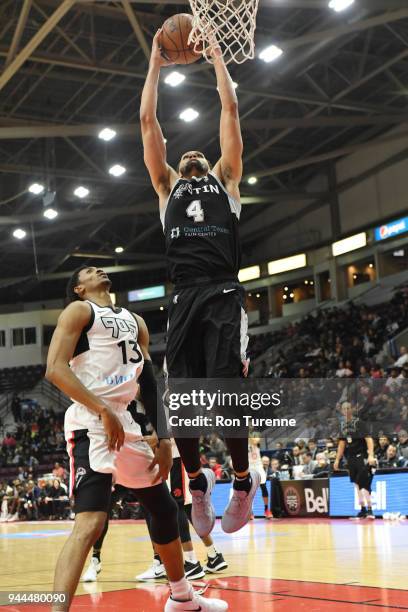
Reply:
x=174, y=39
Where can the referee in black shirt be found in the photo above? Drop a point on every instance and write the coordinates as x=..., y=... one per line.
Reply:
x=358, y=449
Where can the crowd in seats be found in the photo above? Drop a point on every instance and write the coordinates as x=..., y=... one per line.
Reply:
x=39, y=432
x=336, y=341
x=31, y=493
x=32, y=499
x=20, y=378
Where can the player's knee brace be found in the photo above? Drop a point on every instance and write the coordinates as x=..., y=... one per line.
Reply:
x=164, y=520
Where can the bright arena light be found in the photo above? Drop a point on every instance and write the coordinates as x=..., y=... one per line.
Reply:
x=81, y=192
x=252, y=180
x=117, y=170
x=247, y=274
x=189, y=115
x=19, y=233
x=36, y=188
x=119, y=249
x=340, y=5
x=288, y=263
x=270, y=54
x=349, y=244
x=174, y=78
x=107, y=134
x=50, y=213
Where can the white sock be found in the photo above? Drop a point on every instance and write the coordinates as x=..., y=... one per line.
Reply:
x=181, y=590
x=190, y=555
x=211, y=551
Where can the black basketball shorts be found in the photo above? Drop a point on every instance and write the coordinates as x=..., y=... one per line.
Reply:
x=207, y=331
x=360, y=472
x=91, y=490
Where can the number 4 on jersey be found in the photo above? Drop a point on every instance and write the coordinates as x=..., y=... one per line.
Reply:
x=195, y=210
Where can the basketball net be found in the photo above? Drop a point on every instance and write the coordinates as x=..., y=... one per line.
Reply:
x=230, y=24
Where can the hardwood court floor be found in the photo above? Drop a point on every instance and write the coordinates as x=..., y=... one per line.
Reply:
x=291, y=564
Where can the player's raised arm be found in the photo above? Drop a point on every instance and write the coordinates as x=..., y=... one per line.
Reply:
x=155, y=155
x=229, y=168
x=153, y=405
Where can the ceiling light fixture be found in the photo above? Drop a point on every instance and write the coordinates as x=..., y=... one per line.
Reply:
x=107, y=134
x=270, y=54
x=36, y=188
x=189, y=115
x=50, y=213
x=340, y=5
x=117, y=170
x=19, y=233
x=174, y=79
x=81, y=192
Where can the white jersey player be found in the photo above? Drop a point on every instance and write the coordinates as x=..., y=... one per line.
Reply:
x=97, y=355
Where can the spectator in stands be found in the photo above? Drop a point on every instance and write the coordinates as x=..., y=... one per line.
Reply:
x=403, y=358
x=381, y=450
x=21, y=474
x=227, y=469
x=322, y=468
x=15, y=499
x=308, y=466
x=393, y=382
x=16, y=408
x=59, y=471
x=30, y=501
x=215, y=467
x=217, y=446
x=294, y=457
x=402, y=446
x=343, y=371
x=279, y=453
x=312, y=447
x=58, y=498
x=331, y=450
x=9, y=441
x=363, y=372
x=391, y=458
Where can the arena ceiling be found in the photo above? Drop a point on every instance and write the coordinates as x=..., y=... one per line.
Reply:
x=70, y=67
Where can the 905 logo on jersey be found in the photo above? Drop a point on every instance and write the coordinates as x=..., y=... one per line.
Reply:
x=119, y=325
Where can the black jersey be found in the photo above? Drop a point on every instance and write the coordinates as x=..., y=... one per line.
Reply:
x=354, y=433
x=200, y=223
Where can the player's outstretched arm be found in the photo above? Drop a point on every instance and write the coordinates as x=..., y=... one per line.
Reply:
x=70, y=324
x=153, y=407
x=155, y=154
x=229, y=167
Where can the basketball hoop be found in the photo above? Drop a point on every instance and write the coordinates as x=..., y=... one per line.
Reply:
x=231, y=23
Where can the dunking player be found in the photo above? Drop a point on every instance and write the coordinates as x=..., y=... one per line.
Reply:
x=358, y=448
x=207, y=333
x=96, y=355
